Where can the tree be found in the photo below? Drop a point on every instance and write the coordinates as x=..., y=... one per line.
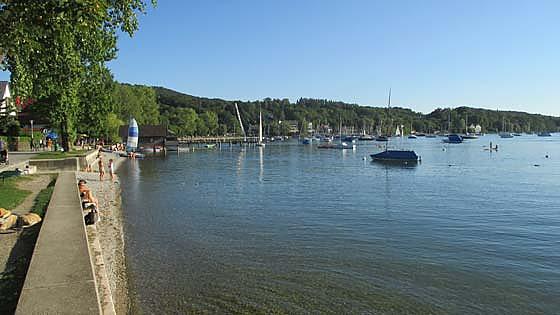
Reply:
x=50, y=44
x=96, y=103
x=210, y=119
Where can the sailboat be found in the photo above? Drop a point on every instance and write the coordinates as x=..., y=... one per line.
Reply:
x=504, y=133
x=341, y=145
x=260, y=142
x=467, y=135
x=132, y=139
x=411, y=135
x=451, y=137
x=401, y=156
x=380, y=137
x=241, y=123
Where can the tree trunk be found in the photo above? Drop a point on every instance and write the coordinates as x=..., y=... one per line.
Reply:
x=64, y=135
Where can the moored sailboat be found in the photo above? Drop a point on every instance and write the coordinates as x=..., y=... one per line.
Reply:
x=400, y=156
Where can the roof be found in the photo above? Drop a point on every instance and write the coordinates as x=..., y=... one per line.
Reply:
x=146, y=131
x=4, y=89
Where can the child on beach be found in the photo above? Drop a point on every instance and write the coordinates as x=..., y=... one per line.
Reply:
x=101, y=168
x=111, y=167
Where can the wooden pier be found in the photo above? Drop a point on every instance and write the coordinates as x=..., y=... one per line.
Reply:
x=216, y=140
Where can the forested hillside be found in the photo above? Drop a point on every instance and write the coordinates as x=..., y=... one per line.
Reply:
x=191, y=115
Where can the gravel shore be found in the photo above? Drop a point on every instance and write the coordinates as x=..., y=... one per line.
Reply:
x=106, y=239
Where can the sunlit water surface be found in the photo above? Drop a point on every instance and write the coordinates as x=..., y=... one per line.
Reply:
x=294, y=229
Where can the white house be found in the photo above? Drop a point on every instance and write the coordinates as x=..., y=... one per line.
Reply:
x=6, y=104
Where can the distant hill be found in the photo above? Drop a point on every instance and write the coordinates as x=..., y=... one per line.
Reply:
x=188, y=114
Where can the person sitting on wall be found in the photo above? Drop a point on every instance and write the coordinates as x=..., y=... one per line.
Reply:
x=87, y=194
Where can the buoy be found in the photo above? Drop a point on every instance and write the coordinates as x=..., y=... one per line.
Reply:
x=546, y=156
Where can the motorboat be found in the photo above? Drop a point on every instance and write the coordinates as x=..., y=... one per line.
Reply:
x=453, y=138
x=396, y=156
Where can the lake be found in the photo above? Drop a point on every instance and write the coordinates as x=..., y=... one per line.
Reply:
x=294, y=229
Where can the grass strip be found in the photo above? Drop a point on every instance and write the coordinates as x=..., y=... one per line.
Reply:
x=59, y=155
x=10, y=195
x=42, y=200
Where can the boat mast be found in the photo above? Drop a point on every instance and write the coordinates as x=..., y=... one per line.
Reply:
x=449, y=122
x=241, y=123
x=389, y=114
x=260, y=127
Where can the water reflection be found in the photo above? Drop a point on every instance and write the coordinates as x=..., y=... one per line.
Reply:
x=261, y=164
x=321, y=233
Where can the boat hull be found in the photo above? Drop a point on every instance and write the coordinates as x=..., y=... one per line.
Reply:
x=395, y=156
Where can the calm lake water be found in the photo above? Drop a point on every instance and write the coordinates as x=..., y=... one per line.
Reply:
x=295, y=229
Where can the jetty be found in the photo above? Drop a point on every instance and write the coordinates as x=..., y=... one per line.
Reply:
x=217, y=140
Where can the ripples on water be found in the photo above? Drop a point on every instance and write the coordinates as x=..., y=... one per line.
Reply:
x=293, y=229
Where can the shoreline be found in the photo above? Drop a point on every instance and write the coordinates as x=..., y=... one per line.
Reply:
x=106, y=238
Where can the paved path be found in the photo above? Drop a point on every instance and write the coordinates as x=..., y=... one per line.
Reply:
x=60, y=278
x=17, y=158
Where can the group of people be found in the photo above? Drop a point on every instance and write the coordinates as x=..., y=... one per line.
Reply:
x=118, y=147
x=44, y=144
x=110, y=168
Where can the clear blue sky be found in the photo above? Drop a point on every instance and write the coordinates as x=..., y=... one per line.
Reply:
x=490, y=54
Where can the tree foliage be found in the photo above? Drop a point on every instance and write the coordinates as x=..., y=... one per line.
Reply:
x=333, y=113
x=52, y=48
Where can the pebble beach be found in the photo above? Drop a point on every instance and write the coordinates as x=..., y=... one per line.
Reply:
x=106, y=238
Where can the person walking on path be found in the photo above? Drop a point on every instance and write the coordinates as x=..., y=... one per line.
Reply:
x=111, y=167
x=101, y=168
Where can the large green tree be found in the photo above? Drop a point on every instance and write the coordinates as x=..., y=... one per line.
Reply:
x=51, y=46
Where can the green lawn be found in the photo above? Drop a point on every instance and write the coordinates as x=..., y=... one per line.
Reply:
x=59, y=155
x=42, y=200
x=10, y=195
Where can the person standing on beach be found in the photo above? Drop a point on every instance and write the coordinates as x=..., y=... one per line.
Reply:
x=111, y=167
x=101, y=168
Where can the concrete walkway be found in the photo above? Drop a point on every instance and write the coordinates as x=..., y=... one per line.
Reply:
x=60, y=279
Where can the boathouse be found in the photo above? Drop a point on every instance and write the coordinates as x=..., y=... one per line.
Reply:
x=148, y=135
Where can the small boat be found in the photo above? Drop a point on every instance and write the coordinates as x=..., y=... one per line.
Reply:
x=396, y=156
x=516, y=134
x=453, y=138
x=306, y=141
x=544, y=134
x=382, y=138
x=392, y=156
x=366, y=138
x=350, y=139
x=431, y=135
x=128, y=154
x=420, y=134
x=210, y=146
x=505, y=135
x=339, y=146
x=469, y=136
x=412, y=137
x=132, y=139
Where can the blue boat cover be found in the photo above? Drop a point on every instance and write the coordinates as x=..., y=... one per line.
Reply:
x=454, y=139
x=395, y=155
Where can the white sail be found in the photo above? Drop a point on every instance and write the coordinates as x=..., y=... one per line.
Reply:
x=260, y=142
x=398, y=132
x=260, y=128
x=241, y=123
x=132, y=140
